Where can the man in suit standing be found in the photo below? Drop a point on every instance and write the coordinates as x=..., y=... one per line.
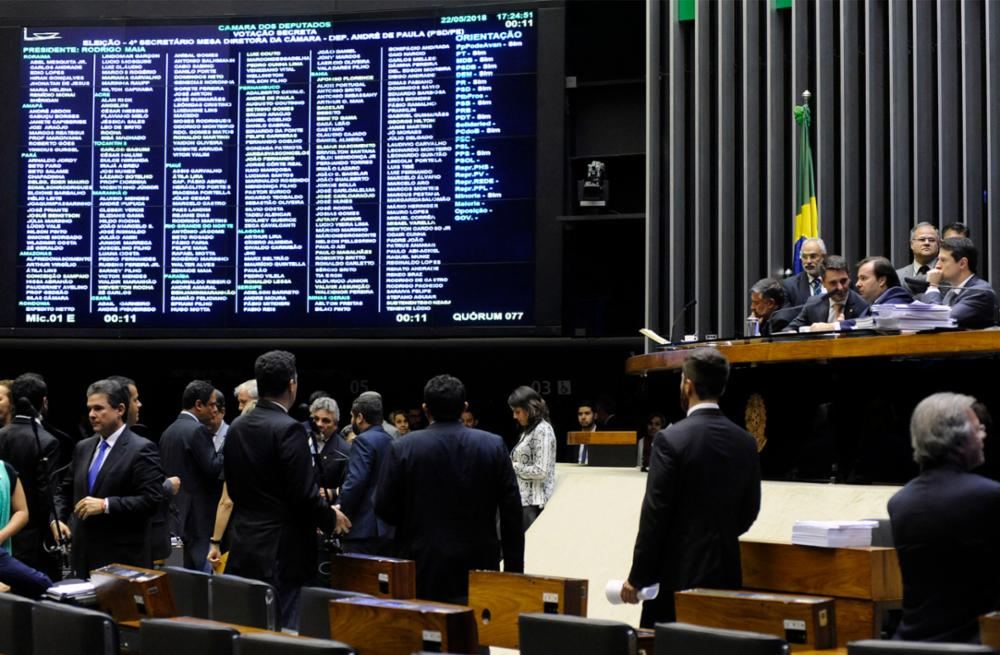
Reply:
x=189, y=453
x=925, y=243
x=945, y=527
x=839, y=303
x=369, y=453
x=34, y=454
x=702, y=493
x=276, y=501
x=800, y=288
x=112, y=488
x=442, y=489
x=971, y=298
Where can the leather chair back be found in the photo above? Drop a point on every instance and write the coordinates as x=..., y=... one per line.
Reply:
x=557, y=634
x=68, y=630
x=263, y=644
x=169, y=637
x=15, y=624
x=314, y=610
x=191, y=591
x=685, y=639
x=243, y=601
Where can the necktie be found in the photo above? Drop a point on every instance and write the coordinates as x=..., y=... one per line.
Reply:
x=816, y=288
x=102, y=450
x=836, y=311
x=923, y=270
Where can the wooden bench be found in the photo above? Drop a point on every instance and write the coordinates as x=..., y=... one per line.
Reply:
x=805, y=622
x=383, y=577
x=865, y=582
x=498, y=599
x=379, y=626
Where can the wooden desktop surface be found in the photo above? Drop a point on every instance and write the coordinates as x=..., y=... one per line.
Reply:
x=802, y=349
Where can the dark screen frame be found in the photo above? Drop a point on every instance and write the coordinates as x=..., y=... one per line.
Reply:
x=550, y=163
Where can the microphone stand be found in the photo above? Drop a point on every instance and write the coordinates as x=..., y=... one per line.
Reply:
x=331, y=543
x=61, y=545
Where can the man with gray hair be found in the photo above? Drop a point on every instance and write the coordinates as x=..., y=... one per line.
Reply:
x=946, y=525
x=245, y=392
x=800, y=288
x=328, y=447
x=369, y=452
x=925, y=243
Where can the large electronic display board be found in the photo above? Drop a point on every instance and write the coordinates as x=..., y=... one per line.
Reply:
x=304, y=173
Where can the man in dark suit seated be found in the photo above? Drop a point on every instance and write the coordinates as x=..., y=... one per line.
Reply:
x=925, y=242
x=276, y=500
x=369, y=454
x=946, y=525
x=112, y=487
x=769, y=305
x=803, y=286
x=442, y=489
x=839, y=303
x=971, y=298
x=703, y=492
x=188, y=452
x=878, y=284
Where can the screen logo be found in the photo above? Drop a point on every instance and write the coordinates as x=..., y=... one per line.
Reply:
x=40, y=36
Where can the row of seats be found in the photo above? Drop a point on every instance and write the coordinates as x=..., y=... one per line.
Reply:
x=69, y=630
x=232, y=599
x=546, y=634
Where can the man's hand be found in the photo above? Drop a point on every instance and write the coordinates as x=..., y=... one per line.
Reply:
x=629, y=593
x=89, y=506
x=175, y=484
x=934, y=277
x=214, y=556
x=59, y=528
x=822, y=327
x=343, y=523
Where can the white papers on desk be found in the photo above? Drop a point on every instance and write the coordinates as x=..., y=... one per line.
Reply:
x=914, y=316
x=72, y=590
x=833, y=534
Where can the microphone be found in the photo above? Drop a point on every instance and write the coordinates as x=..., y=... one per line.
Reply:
x=691, y=303
x=23, y=407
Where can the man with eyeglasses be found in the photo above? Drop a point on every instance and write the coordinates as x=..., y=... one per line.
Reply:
x=188, y=452
x=800, y=288
x=924, y=244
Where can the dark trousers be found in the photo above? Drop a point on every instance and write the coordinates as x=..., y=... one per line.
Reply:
x=22, y=579
x=528, y=515
x=372, y=546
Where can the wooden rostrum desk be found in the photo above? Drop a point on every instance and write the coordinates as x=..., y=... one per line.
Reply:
x=836, y=408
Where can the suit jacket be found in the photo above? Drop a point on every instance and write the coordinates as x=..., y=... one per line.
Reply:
x=702, y=493
x=442, y=488
x=333, y=457
x=779, y=320
x=276, y=501
x=187, y=451
x=131, y=479
x=817, y=310
x=797, y=289
x=970, y=309
x=909, y=271
x=369, y=454
x=945, y=528
x=19, y=448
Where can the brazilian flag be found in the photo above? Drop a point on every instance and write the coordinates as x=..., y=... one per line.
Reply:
x=806, y=224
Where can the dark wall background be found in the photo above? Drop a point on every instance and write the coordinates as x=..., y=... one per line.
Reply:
x=595, y=277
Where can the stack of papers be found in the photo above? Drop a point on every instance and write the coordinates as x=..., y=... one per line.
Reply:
x=79, y=592
x=915, y=316
x=833, y=534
